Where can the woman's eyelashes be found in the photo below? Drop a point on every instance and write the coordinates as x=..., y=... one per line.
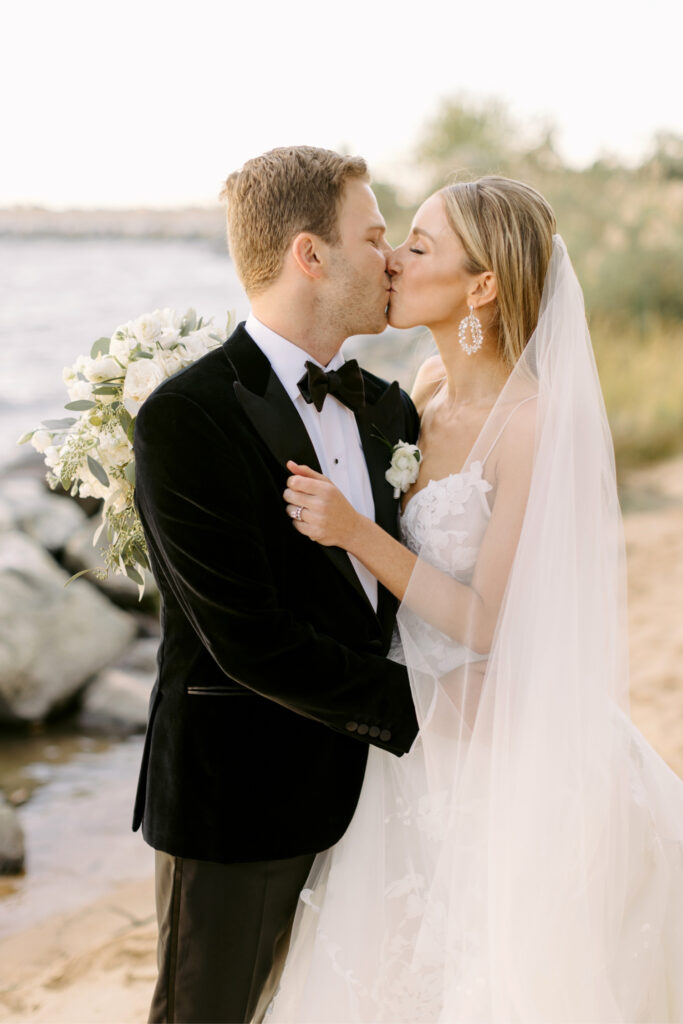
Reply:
x=418, y=252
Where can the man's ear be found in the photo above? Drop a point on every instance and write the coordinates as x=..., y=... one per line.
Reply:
x=306, y=250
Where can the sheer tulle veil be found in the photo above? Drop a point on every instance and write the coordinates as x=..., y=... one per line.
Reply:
x=524, y=862
x=529, y=763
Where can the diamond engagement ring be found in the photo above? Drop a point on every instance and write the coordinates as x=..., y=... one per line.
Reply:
x=296, y=513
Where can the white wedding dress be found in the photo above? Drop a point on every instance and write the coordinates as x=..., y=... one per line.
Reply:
x=523, y=863
x=372, y=941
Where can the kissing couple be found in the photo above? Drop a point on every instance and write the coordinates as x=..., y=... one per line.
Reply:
x=389, y=745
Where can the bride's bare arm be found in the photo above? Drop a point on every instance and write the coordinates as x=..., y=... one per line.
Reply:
x=466, y=613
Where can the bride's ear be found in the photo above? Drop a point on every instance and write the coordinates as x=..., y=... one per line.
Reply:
x=307, y=255
x=485, y=290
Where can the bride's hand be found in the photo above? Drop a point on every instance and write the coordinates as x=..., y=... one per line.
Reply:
x=326, y=516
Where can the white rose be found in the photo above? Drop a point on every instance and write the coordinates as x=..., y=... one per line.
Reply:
x=42, y=440
x=197, y=345
x=141, y=379
x=101, y=369
x=147, y=328
x=169, y=318
x=170, y=362
x=80, y=390
x=169, y=336
x=404, y=468
x=119, y=348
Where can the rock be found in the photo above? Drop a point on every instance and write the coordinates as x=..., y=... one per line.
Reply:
x=49, y=519
x=52, y=638
x=141, y=657
x=12, y=850
x=117, y=701
x=80, y=554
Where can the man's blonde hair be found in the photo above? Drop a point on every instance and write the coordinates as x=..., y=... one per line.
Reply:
x=275, y=197
x=506, y=227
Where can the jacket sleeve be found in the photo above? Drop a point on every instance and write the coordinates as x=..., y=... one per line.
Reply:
x=199, y=510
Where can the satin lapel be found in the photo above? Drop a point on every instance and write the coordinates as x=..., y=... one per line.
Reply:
x=274, y=417
x=375, y=422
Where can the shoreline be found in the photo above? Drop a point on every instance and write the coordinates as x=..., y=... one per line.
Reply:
x=89, y=966
x=97, y=964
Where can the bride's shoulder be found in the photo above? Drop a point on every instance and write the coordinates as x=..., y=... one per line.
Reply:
x=429, y=377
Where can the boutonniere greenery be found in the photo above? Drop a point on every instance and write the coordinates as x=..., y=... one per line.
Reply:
x=404, y=466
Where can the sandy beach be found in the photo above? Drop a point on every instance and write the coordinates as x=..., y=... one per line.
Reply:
x=97, y=964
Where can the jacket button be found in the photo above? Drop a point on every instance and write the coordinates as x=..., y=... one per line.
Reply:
x=362, y=729
x=352, y=726
x=374, y=732
x=385, y=735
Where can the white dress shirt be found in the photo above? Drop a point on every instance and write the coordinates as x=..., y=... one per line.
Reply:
x=333, y=430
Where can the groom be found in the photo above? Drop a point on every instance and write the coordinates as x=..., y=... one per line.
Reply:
x=272, y=677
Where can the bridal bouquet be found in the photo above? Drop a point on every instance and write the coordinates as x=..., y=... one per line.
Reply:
x=91, y=453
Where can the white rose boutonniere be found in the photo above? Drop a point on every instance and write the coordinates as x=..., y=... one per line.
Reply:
x=404, y=468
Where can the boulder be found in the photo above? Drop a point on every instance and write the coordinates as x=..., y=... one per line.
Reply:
x=12, y=850
x=80, y=553
x=52, y=638
x=117, y=701
x=50, y=519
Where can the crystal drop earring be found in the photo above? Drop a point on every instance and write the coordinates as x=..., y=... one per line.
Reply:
x=476, y=333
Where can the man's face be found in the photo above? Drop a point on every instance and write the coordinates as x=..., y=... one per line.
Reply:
x=359, y=285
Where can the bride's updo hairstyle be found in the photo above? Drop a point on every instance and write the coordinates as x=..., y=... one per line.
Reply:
x=505, y=227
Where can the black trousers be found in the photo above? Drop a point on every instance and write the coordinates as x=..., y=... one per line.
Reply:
x=223, y=936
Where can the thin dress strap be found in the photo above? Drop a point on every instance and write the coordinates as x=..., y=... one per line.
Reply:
x=500, y=432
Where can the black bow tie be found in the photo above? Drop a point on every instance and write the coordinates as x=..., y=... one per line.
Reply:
x=346, y=384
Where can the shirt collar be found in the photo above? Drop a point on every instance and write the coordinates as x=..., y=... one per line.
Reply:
x=287, y=359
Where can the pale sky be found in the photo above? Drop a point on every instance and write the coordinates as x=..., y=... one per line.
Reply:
x=144, y=102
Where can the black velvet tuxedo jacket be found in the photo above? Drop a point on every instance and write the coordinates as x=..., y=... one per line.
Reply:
x=272, y=677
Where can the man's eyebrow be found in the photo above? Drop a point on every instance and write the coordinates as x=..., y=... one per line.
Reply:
x=420, y=231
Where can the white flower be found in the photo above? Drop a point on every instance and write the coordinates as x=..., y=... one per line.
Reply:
x=147, y=328
x=404, y=468
x=118, y=496
x=169, y=336
x=79, y=390
x=197, y=344
x=119, y=348
x=141, y=379
x=170, y=362
x=41, y=440
x=51, y=456
x=101, y=369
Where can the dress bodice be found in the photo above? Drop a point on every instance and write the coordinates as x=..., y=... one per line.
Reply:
x=445, y=522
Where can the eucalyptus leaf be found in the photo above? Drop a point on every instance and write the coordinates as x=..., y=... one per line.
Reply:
x=129, y=472
x=134, y=575
x=105, y=389
x=98, y=471
x=130, y=433
x=75, y=577
x=68, y=421
x=100, y=348
x=80, y=405
x=125, y=418
x=26, y=437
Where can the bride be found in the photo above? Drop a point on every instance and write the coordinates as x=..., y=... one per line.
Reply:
x=524, y=862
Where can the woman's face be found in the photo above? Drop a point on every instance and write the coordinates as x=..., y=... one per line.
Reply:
x=430, y=285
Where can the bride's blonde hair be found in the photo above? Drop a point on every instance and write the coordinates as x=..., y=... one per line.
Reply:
x=505, y=227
